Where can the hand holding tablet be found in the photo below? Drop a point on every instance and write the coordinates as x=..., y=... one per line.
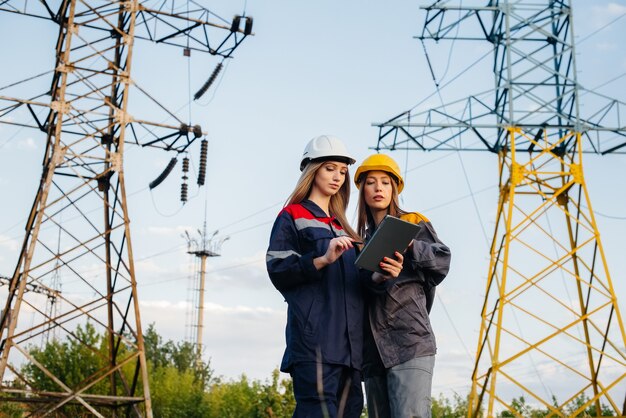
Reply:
x=392, y=235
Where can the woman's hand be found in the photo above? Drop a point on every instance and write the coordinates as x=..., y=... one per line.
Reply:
x=391, y=267
x=336, y=247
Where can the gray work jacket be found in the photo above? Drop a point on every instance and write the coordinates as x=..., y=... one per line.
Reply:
x=397, y=326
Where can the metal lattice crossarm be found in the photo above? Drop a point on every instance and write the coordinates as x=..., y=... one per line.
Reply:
x=92, y=67
x=78, y=230
x=551, y=327
x=189, y=26
x=81, y=123
x=470, y=124
x=536, y=87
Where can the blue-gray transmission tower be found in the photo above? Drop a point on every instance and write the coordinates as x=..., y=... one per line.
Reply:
x=550, y=318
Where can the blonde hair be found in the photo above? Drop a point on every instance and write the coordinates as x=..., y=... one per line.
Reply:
x=365, y=220
x=338, y=202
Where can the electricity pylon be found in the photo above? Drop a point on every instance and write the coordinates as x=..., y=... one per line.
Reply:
x=550, y=314
x=82, y=194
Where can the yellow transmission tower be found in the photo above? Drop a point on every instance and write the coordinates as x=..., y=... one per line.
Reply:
x=550, y=317
x=85, y=118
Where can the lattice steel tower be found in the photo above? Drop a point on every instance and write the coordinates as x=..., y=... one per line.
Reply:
x=82, y=193
x=552, y=279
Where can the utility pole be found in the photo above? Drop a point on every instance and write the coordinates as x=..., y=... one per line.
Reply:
x=201, y=248
x=82, y=193
x=531, y=121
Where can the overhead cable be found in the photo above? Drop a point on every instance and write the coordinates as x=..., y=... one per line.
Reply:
x=601, y=28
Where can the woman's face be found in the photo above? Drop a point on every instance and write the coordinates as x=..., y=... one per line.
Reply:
x=330, y=177
x=377, y=190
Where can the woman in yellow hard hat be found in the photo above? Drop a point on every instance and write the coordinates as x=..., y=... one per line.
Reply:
x=399, y=344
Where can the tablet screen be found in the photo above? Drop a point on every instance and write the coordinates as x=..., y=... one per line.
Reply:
x=393, y=234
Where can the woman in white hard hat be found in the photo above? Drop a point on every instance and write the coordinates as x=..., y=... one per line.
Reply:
x=310, y=260
x=399, y=344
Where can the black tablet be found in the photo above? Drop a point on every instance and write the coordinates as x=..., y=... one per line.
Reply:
x=393, y=234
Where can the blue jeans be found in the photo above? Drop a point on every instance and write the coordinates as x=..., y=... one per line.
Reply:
x=403, y=392
x=326, y=391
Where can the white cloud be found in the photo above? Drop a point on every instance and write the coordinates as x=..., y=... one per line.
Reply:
x=243, y=272
x=616, y=9
x=26, y=144
x=164, y=304
x=602, y=15
x=9, y=243
x=149, y=267
x=606, y=46
x=21, y=144
x=237, y=339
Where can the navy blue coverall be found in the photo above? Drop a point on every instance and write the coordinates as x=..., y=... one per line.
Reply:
x=324, y=331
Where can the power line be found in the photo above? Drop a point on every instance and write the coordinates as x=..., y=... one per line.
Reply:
x=472, y=193
x=603, y=215
x=454, y=328
x=234, y=266
x=459, y=74
x=251, y=215
x=23, y=220
x=26, y=79
x=601, y=28
x=604, y=84
x=465, y=174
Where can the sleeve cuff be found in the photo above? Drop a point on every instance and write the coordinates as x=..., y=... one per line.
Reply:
x=308, y=268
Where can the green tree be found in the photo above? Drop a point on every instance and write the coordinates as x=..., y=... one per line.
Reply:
x=276, y=398
x=73, y=361
x=182, y=386
x=176, y=393
x=233, y=399
x=182, y=356
x=442, y=407
x=521, y=408
x=177, y=376
x=590, y=411
x=10, y=409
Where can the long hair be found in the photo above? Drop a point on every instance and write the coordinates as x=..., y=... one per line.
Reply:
x=338, y=202
x=365, y=220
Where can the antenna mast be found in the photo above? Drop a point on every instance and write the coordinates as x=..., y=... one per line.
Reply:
x=202, y=249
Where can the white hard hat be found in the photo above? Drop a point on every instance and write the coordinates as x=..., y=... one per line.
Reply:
x=325, y=147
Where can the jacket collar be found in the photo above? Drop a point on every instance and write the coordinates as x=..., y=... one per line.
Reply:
x=314, y=209
x=319, y=213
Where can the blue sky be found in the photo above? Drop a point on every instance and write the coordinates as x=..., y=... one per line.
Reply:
x=312, y=68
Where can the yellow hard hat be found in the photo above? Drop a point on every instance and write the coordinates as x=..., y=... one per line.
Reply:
x=380, y=162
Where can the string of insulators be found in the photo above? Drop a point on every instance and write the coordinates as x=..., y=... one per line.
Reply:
x=197, y=131
x=168, y=169
x=183, y=192
x=184, y=187
x=234, y=26
x=247, y=29
x=208, y=83
x=203, y=154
